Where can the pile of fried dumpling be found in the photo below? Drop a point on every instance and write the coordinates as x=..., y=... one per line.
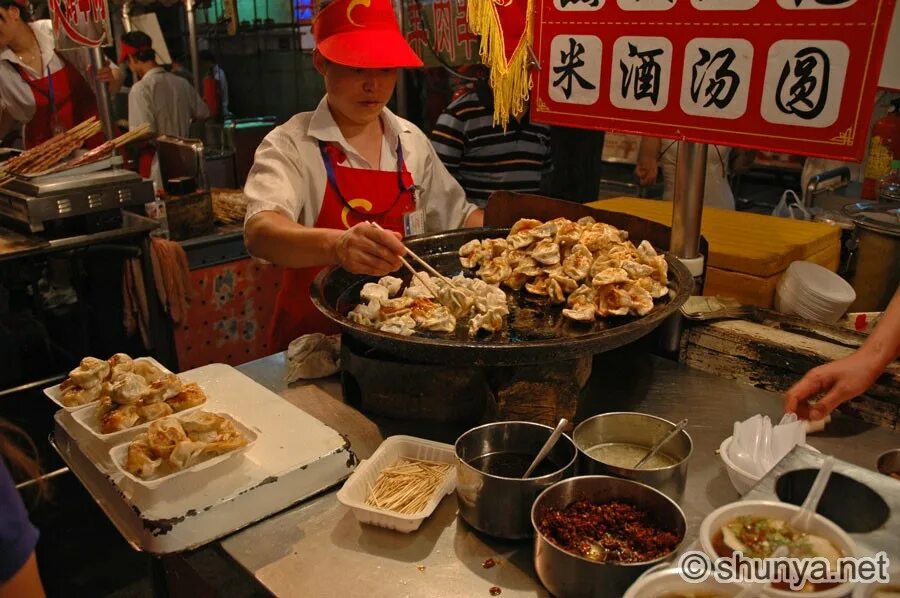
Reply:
x=428, y=303
x=173, y=443
x=128, y=392
x=589, y=267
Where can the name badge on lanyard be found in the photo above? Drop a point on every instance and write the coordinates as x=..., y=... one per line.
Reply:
x=414, y=222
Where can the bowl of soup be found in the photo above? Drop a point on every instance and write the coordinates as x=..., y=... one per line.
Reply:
x=762, y=529
x=613, y=443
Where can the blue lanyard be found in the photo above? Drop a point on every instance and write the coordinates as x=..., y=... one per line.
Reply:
x=332, y=180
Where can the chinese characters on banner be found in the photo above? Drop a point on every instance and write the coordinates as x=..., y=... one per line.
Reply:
x=796, y=76
x=85, y=22
x=441, y=23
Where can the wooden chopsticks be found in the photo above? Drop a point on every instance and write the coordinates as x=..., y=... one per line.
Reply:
x=423, y=263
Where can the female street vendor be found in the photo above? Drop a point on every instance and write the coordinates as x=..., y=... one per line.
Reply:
x=39, y=88
x=321, y=176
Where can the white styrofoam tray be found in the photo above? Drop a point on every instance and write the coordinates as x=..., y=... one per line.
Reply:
x=355, y=490
x=119, y=454
x=87, y=419
x=295, y=456
x=54, y=394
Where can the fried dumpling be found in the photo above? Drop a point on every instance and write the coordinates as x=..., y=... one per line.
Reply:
x=581, y=311
x=637, y=271
x=641, y=301
x=515, y=281
x=190, y=396
x=147, y=371
x=185, y=453
x=520, y=240
x=610, y=276
x=492, y=321
x=538, y=286
x=418, y=292
x=372, y=290
x=130, y=389
x=396, y=307
x=555, y=292
x=164, y=388
x=568, y=234
x=391, y=283
x=471, y=254
x=494, y=247
x=201, y=421
x=612, y=300
x=120, y=418
x=495, y=270
x=366, y=313
x=524, y=225
x=140, y=460
x=577, y=264
x=546, y=252
x=76, y=396
x=153, y=411
x=90, y=372
x=120, y=363
x=403, y=325
x=164, y=434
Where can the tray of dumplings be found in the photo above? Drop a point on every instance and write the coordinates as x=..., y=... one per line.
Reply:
x=173, y=446
x=115, y=396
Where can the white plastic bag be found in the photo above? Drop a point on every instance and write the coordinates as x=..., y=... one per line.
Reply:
x=790, y=206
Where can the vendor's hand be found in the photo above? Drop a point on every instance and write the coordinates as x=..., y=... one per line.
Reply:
x=839, y=380
x=646, y=171
x=365, y=249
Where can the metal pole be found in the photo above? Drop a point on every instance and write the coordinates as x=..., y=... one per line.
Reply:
x=687, y=213
x=192, y=43
x=126, y=17
x=402, y=109
x=102, y=93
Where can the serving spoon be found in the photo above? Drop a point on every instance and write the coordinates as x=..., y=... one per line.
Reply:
x=804, y=517
x=548, y=446
x=678, y=428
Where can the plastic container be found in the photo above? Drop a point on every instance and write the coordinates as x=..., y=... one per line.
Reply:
x=742, y=481
x=87, y=419
x=355, y=490
x=53, y=393
x=119, y=454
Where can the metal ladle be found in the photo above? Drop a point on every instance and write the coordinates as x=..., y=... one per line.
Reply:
x=678, y=428
x=548, y=446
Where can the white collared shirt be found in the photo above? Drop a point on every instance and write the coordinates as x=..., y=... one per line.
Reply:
x=288, y=175
x=16, y=97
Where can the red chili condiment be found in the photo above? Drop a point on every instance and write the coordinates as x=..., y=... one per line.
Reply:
x=625, y=533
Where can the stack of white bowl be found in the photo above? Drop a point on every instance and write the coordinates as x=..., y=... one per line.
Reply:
x=810, y=291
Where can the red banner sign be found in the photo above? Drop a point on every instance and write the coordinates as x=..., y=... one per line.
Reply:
x=83, y=21
x=796, y=76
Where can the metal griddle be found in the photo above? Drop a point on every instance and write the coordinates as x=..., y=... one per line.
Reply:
x=537, y=332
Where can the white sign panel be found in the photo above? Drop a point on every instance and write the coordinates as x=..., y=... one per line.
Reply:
x=574, y=76
x=641, y=70
x=716, y=77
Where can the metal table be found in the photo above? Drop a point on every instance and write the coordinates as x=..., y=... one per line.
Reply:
x=319, y=549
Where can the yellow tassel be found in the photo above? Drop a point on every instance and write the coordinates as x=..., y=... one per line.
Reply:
x=510, y=81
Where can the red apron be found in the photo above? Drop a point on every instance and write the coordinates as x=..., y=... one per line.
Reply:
x=61, y=101
x=352, y=195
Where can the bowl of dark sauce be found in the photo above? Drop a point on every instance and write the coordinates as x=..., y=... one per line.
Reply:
x=491, y=460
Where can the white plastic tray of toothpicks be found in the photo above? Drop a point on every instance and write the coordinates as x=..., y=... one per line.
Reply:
x=392, y=451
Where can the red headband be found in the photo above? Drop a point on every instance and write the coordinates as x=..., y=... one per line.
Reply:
x=129, y=50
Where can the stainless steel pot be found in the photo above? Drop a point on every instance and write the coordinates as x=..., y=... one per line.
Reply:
x=875, y=266
x=566, y=574
x=501, y=506
x=643, y=430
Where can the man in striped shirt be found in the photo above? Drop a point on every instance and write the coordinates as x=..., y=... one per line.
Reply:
x=482, y=157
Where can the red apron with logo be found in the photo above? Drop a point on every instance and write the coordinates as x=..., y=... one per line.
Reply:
x=352, y=195
x=61, y=100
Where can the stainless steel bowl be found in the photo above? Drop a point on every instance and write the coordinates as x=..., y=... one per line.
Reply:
x=497, y=505
x=566, y=574
x=640, y=429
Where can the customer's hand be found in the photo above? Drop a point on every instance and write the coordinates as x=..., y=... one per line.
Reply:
x=839, y=380
x=365, y=249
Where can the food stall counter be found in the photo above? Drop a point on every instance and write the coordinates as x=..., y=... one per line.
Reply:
x=318, y=548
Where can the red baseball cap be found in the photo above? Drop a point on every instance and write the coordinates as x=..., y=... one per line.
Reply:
x=363, y=34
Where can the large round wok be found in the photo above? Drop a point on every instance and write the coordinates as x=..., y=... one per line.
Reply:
x=537, y=332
